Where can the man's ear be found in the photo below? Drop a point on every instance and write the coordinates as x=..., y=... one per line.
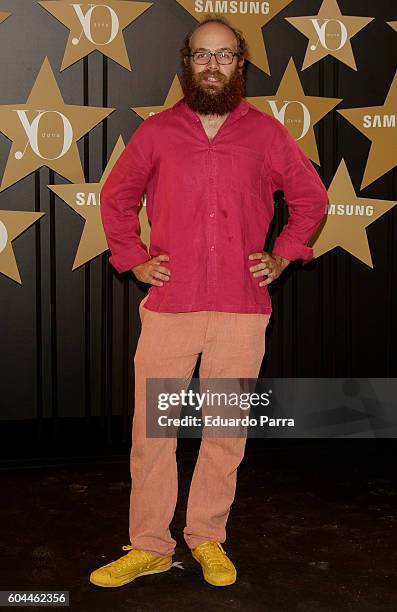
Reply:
x=185, y=60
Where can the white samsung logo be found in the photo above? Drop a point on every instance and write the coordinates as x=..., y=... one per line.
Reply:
x=242, y=7
x=386, y=121
x=350, y=210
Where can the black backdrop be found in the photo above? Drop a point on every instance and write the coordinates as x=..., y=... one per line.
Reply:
x=68, y=338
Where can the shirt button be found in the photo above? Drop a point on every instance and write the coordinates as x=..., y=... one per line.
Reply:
x=212, y=247
x=212, y=214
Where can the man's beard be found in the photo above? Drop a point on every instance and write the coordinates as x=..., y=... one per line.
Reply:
x=211, y=99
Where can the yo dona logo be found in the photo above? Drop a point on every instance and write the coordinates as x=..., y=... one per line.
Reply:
x=32, y=131
x=86, y=23
x=3, y=236
x=280, y=114
x=321, y=30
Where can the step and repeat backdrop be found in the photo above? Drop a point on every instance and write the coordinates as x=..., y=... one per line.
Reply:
x=76, y=80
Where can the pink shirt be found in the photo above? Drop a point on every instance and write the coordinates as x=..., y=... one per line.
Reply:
x=210, y=204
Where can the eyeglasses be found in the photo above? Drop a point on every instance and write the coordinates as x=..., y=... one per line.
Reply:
x=204, y=57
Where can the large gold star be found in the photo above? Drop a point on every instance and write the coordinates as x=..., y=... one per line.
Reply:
x=3, y=16
x=250, y=23
x=329, y=33
x=295, y=110
x=45, y=131
x=347, y=219
x=13, y=224
x=175, y=93
x=378, y=123
x=85, y=200
x=96, y=27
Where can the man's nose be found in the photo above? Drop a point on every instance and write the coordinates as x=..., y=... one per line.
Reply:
x=213, y=63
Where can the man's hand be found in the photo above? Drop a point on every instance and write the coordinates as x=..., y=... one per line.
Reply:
x=270, y=265
x=151, y=270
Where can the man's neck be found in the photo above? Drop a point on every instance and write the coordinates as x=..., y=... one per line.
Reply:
x=212, y=123
x=213, y=119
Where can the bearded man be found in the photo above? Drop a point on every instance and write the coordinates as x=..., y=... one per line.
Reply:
x=209, y=167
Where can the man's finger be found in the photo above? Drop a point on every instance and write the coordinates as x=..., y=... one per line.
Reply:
x=263, y=272
x=258, y=255
x=163, y=270
x=157, y=274
x=269, y=279
x=257, y=267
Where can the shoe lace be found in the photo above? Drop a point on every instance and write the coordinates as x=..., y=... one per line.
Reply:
x=212, y=554
x=126, y=559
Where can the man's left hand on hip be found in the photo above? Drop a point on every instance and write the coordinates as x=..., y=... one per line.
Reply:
x=270, y=265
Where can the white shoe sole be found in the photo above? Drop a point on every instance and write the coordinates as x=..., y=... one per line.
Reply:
x=113, y=586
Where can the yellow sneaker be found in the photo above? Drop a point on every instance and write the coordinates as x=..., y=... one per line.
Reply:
x=218, y=570
x=130, y=566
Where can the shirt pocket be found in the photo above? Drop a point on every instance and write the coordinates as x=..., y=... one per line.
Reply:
x=247, y=166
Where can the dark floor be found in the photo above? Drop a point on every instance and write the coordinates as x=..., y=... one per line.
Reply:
x=312, y=529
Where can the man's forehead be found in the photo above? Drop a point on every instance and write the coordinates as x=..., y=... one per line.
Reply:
x=213, y=35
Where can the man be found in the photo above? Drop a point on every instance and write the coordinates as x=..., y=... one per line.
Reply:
x=209, y=166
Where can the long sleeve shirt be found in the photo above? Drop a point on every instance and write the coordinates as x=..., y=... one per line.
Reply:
x=209, y=205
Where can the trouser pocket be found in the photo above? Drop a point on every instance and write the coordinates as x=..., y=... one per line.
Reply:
x=141, y=309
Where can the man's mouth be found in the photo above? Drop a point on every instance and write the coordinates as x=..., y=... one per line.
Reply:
x=211, y=78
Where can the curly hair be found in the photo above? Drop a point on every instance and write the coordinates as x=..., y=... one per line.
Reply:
x=242, y=47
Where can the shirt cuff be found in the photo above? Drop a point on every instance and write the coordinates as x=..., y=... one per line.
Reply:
x=123, y=262
x=291, y=250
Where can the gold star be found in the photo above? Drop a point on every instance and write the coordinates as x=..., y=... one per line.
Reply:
x=175, y=93
x=347, y=219
x=45, y=131
x=13, y=224
x=378, y=123
x=3, y=16
x=296, y=111
x=96, y=27
x=250, y=23
x=329, y=33
x=85, y=200
x=392, y=24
